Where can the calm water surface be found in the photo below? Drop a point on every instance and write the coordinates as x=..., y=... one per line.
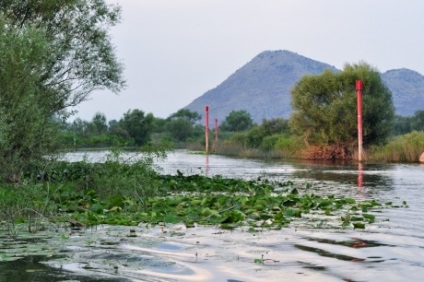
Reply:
x=392, y=249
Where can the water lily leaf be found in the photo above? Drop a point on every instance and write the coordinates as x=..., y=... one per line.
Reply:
x=292, y=213
x=359, y=225
x=280, y=218
x=259, y=261
x=227, y=226
x=369, y=217
x=172, y=219
x=325, y=203
x=289, y=203
x=294, y=192
x=234, y=216
x=350, y=201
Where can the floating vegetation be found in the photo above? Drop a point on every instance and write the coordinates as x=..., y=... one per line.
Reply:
x=229, y=203
x=75, y=193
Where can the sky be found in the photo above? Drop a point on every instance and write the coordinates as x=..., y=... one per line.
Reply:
x=176, y=50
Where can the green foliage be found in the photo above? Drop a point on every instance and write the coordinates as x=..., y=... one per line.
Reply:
x=99, y=124
x=256, y=136
x=237, y=121
x=325, y=107
x=181, y=126
x=138, y=125
x=403, y=125
x=186, y=114
x=80, y=57
x=131, y=192
x=418, y=121
x=27, y=130
x=135, y=128
x=180, y=129
x=404, y=148
x=288, y=147
x=53, y=54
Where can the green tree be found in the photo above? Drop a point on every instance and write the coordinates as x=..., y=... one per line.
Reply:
x=138, y=125
x=27, y=127
x=402, y=125
x=191, y=116
x=180, y=128
x=79, y=126
x=237, y=121
x=53, y=54
x=256, y=135
x=325, y=108
x=98, y=124
x=417, y=122
x=80, y=56
x=181, y=125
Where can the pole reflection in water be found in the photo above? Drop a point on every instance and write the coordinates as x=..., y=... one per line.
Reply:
x=207, y=165
x=360, y=175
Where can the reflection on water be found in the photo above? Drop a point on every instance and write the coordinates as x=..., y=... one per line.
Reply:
x=32, y=268
x=392, y=249
x=360, y=175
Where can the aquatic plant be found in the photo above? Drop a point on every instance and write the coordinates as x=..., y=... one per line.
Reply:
x=404, y=148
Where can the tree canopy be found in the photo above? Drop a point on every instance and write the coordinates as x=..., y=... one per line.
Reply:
x=237, y=121
x=325, y=107
x=138, y=125
x=80, y=57
x=53, y=54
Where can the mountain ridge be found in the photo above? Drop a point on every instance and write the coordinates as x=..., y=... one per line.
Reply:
x=263, y=85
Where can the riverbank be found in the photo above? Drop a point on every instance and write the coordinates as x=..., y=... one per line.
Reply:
x=402, y=149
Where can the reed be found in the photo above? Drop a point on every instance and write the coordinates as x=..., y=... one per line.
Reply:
x=405, y=148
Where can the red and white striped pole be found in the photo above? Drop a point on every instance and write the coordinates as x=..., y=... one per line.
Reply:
x=359, y=87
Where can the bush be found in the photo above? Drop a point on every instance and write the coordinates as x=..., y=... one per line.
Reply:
x=404, y=148
x=289, y=147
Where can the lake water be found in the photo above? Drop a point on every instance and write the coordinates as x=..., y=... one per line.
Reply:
x=392, y=249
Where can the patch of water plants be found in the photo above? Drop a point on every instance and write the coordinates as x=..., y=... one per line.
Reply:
x=116, y=193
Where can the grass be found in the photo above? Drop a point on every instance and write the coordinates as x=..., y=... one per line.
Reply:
x=401, y=149
x=405, y=148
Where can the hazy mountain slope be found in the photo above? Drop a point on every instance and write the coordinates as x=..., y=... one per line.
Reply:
x=407, y=87
x=262, y=87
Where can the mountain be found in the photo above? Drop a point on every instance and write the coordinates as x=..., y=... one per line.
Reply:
x=407, y=87
x=262, y=87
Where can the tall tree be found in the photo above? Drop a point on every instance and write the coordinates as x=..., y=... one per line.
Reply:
x=325, y=107
x=80, y=56
x=138, y=125
x=27, y=129
x=418, y=121
x=181, y=124
x=99, y=124
x=53, y=54
x=191, y=116
x=237, y=121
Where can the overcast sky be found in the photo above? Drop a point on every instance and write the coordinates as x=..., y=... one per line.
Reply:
x=176, y=50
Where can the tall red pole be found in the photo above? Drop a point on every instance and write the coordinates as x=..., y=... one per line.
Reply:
x=207, y=129
x=359, y=105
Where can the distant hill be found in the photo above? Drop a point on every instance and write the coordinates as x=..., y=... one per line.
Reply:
x=262, y=87
x=407, y=87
